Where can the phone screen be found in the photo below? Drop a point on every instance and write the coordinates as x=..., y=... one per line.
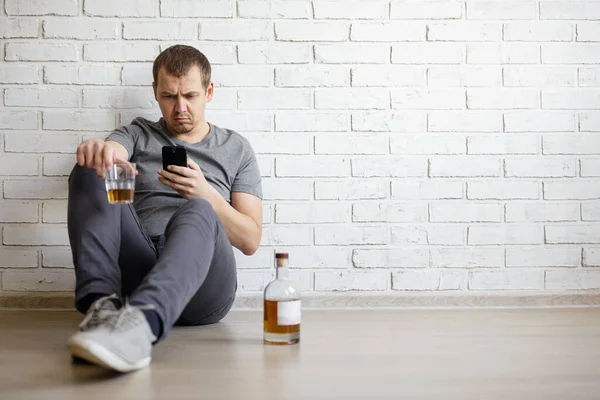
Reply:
x=174, y=155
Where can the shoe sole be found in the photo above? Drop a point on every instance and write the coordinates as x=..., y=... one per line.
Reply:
x=97, y=354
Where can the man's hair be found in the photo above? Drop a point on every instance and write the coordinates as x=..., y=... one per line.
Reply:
x=178, y=60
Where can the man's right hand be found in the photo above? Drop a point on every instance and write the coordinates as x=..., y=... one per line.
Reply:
x=98, y=154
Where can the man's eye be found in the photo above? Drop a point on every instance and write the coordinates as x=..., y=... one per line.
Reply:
x=189, y=96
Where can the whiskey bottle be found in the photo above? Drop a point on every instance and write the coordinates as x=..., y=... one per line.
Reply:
x=282, y=307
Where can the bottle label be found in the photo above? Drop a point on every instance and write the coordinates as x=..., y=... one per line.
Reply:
x=288, y=312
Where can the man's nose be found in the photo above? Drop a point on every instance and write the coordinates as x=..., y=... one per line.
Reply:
x=180, y=105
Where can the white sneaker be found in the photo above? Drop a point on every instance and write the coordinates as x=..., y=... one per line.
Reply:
x=120, y=340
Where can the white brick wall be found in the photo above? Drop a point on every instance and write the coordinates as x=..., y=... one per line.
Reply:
x=405, y=145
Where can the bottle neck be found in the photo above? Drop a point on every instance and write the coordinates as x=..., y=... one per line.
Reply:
x=281, y=268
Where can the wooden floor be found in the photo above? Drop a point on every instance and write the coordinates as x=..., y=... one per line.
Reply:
x=402, y=354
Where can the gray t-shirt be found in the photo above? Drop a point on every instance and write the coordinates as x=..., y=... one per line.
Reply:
x=224, y=156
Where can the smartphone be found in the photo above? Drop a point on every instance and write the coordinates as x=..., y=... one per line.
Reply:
x=174, y=155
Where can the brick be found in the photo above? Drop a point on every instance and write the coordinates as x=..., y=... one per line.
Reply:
x=82, y=75
x=506, y=280
x=425, y=99
x=572, y=280
x=33, y=143
x=78, y=121
x=41, y=7
x=499, y=234
x=135, y=75
x=428, y=189
x=285, y=9
x=580, y=189
x=345, y=281
x=254, y=281
x=349, y=235
x=118, y=8
x=589, y=121
x=464, y=121
x=590, y=168
x=389, y=212
x=33, y=51
x=311, y=77
x=505, y=144
x=572, y=234
x=383, y=121
x=280, y=144
x=464, y=76
x=387, y=31
x=388, y=76
x=569, y=10
x=311, y=122
x=11, y=257
x=428, y=53
x=467, y=257
x=503, y=53
x=503, y=190
x=268, y=212
x=352, y=53
x=287, y=189
x=287, y=235
x=35, y=189
x=54, y=212
x=491, y=10
x=59, y=165
x=503, y=99
x=243, y=121
x=18, y=165
x=197, y=8
x=540, y=168
x=367, y=144
x=312, y=166
x=357, y=189
x=80, y=29
x=432, y=234
x=426, y=10
x=224, y=99
x=389, y=167
x=13, y=212
x=42, y=97
x=539, y=76
x=586, y=77
x=343, y=99
x=19, y=28
x=463, y=32
x=320, y=257
x=265, y=165
x=429, y=280
x=274, y=99
x=301, y=31
x=120, y=52
x=465, y=212
x=538, y=31
x=234, y=76
x=539, y=121
x=57, y=257
x=19, y=74
x=274, y=53
x=217, y=54
x=591, y=257
x=244, y=31
x=312, y=213
x=37, y=281
x=351, y=9
x=569, y=53
x=427, y=144
x=20, y=120
x=541, y=257
x=578, y=99
x=588, y=32
x=463, y=167
x=263, y=258
x=171, y=30
x=542, y=212
x=36, y=235
x=391, y=258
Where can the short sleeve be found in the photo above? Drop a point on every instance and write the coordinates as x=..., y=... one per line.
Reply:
x=124, y=135
x=247, y=179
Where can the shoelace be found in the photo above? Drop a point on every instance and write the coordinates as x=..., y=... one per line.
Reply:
x=102, y=311
x=126, y=318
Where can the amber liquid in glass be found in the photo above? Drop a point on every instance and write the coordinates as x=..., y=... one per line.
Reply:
x=272, y=326
x=120, y=195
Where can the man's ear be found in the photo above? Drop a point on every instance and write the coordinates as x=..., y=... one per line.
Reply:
x=210, y=90
x=154, y=89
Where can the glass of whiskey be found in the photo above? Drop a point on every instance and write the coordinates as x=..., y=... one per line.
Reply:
x=282, y=306
x=120, y=183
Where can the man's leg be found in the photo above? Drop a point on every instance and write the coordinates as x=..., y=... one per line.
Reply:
x=98, y=231
x=194, y=280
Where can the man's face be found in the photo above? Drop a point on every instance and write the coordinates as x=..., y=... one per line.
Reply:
x=182, y=100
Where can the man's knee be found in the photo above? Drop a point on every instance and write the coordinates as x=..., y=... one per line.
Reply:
x=82, y=175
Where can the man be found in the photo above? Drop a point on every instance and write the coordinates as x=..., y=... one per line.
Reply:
x=167, y=258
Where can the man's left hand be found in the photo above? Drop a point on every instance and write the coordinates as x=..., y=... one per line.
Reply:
x=189, y=182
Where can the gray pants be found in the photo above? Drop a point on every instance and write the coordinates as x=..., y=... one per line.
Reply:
x=188, y=273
